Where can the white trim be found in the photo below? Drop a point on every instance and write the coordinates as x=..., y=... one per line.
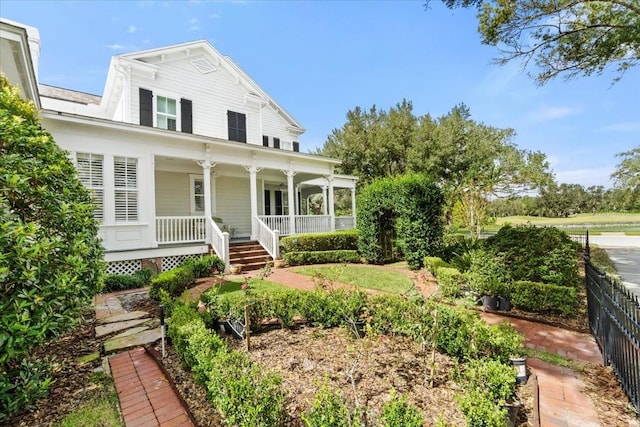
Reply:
x=155, y=253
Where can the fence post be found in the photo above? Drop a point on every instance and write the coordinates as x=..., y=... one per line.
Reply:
x=587, y=250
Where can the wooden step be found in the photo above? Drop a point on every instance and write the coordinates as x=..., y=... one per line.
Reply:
x=249, y=255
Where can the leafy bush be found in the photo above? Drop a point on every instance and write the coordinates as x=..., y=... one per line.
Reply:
x=487, y=274
x=318, y=242
x=51, y=261
x=450, y=281
x=22, y=385
x=330, y=409
x=400, y=215
x=398, y=412
x=174, y=282
x=244, y=394
x=204, y=266
x=432, y=263
x=480, y=411
x=492, y=377
x=120, y=282
x=536, y=254
x=321, y=257
x=543, y=298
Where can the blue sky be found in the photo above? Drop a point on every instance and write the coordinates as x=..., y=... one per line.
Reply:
x=319, y=59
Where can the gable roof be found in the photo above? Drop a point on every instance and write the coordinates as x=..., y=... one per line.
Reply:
x=68, y=95
x=217, y=60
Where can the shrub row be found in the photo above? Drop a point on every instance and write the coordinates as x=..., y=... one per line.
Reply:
x=244, y=395
x=177, y=280
x=461, y=333
x=334, y=241
x=450, y=280
x=121, y=282
x=432, y=263
x=321, y=257
x=542, y=297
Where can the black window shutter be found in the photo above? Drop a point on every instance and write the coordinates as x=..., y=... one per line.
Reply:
x=278, y=195
x=242, y=127
x=276, y=142
x=146, y=107
x=267, y=202
x=265, y=141
x=186, y=115
x=231, y=125
x=296, y=146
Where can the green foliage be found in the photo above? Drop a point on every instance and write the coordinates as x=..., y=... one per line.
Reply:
x=120, y=282
x=315, y=242
x=330, y=409
x=543, y=298
x=450, y=281
x=627, y=177
x=399, y=413
x=494, y=378
x=204, y=266
x=50, y=254
x=480, y=411
x=537, y=254
x=22, y=385
x=174, y=282
x=244, y=394
x=321, y=257
x=400, y=214
x=432, y=263
x=487, y=274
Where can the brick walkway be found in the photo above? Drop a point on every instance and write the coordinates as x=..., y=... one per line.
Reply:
x=146, y=398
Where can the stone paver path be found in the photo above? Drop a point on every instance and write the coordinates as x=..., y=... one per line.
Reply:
x=146, y=398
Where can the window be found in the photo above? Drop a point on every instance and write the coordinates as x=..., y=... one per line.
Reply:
x=126, y=188
x=265, y=141
x=276, y=142
x=90, y=167
x=237, y=123
x=166, y=113
x=196, y=183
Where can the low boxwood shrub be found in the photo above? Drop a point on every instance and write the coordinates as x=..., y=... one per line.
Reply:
x=321, y=257
x=487, y=274
x=495, y=378
x=174, y=282
x=450, y=281
x=398, y=412
x=314, y=242
x=480, y=411
x=543, y=298
x=204, y=266
x=432, y=263
x=330, y=409
x=121, y=282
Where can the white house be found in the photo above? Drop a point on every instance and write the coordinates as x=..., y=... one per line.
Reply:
x=183, y=152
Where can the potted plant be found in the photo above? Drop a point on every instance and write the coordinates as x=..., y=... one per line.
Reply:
x=235, y=268
x=278, y=262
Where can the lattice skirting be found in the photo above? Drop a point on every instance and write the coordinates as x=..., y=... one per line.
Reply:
x=131, y=266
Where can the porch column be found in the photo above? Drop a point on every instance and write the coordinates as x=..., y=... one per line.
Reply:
x=353, y=205
x=324, y=200
x=332, y=214
x=206, y=181
x=291, y=200
x=253, y=189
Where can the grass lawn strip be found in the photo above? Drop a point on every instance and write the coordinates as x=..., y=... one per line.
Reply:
x=362, y=276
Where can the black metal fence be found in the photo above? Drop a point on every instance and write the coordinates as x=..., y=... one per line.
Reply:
x=614, y=320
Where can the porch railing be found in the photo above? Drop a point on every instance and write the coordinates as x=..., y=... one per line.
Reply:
x=614, y=320
x=313, y=223
x=277, y=222
x=219, y=241
x=268, y=238
x=345, y=223
x=180, y=229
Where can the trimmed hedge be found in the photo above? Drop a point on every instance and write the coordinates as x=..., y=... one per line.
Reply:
x=314, y=242
x=121, y=282
x=174, y=282
x=205, y=266
x=432, y=263
x=543, y=298
x=450, y=281
x=321, y=257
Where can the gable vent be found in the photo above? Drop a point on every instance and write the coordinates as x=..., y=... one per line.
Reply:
x=203, y=65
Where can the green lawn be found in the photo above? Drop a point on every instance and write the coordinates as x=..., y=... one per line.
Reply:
x=580, y=219
x=234, y=287
x=362, y=276
x=100, y=408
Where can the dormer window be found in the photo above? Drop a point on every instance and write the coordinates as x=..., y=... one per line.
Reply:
x=166, y=113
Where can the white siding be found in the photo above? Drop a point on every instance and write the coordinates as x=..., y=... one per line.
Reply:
x=212, y=94
x=233, y=199
x=172, y=194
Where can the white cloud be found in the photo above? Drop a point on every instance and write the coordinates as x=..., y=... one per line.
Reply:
x=546, y=113
x=132, y=29
x=622, y=127
x=587, y=177
x=193, y=24
x=115, y=46
x=214, y=16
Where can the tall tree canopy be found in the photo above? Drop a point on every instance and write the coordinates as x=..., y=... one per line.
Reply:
x=627, y=176
x=561, y=37
x=469, y=161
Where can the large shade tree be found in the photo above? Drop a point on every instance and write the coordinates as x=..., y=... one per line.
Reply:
x=561, y=37
x=627, y=177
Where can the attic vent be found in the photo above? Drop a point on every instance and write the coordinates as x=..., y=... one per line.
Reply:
x=203, y=65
